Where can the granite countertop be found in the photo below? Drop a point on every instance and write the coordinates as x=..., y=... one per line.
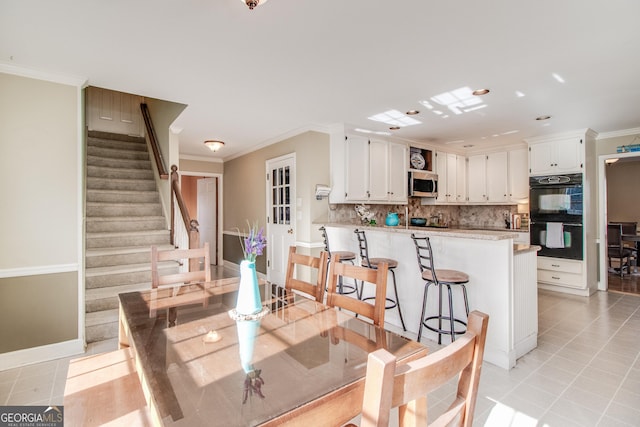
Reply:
x=494, y=234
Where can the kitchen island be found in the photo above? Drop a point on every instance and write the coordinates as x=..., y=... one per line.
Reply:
x=502, y=280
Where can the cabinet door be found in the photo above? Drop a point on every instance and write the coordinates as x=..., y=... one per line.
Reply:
x=518, y=176
x=540, y=159
x=461, y=179
x=452, y=176
x=398, y=178
x=477, y=178
x=497, y=190
x=441, y=170
x=569, y=155
x=378, y=170
x=357, y=168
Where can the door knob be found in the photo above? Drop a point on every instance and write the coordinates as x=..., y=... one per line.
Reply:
x=290, y=231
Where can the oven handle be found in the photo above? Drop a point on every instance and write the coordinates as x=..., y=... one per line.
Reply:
x=571, y=224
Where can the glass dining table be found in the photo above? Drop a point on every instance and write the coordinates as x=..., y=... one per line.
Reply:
x=303, y=363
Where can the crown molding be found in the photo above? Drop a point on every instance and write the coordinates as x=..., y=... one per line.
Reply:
x=42, y=75
x=618, y=133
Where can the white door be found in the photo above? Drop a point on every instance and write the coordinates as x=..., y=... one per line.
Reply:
x=281, y=215
x=207, y=196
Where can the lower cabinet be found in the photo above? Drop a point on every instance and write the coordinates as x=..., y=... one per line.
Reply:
x=561, y=272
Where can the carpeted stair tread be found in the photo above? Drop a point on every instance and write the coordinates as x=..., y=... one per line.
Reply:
x=113, y=291
x=101, y=317
x=124, y=250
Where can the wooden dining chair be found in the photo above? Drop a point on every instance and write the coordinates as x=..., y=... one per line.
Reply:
x=616, y=249
x=406, y=386
x=377, y=277
x=315, y=290
x=198, y=266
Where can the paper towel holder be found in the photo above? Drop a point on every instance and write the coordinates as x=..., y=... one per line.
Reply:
x=322, y=191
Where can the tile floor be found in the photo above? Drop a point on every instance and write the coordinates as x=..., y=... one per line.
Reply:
x=584, y=372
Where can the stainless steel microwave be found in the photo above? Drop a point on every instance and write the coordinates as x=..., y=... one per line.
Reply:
x=423, y=184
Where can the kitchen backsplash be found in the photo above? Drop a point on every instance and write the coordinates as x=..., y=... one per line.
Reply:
x=452, y=215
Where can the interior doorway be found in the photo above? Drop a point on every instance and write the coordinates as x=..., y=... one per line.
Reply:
x=619, y=202
x=202, y=195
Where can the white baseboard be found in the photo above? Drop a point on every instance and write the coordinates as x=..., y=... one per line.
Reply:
x=43, y=353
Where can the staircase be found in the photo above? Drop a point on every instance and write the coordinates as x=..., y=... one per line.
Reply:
x=124, y=219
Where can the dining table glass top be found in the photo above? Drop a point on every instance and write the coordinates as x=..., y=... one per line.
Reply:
x=204, y=368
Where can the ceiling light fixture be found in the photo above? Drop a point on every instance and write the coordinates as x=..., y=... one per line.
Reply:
x=543, y=118
x=213, y=144
x=254, y=3
x=412, y=112
x=610, y=161
x=480, y=92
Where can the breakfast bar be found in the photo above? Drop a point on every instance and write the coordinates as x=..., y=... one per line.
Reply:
x=502, y=280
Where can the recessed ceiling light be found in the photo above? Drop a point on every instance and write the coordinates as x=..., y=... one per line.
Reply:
x=412, y=112
x=479, y=92
x=394, y=127
x=543, y=117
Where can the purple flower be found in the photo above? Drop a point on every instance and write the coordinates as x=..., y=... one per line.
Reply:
x=254, y=244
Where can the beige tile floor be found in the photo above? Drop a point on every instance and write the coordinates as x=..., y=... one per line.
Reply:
x=584, y=372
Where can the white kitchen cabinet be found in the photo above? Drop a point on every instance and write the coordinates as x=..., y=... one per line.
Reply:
x=477, y=178
x=556, y=156
x=398, y=178
x=487, y=178
x=461, y=179
x=497, y=183
x=447, y=170
x=356, y=168
x=375, y=171
x=518, y=176
x=561, y=272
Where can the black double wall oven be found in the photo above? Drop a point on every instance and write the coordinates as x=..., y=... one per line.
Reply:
x=556, y=214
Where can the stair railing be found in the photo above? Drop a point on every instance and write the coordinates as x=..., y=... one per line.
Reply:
x=184, y=230
x=153, y=141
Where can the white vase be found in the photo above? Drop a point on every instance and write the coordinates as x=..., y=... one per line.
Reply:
x=249, y=300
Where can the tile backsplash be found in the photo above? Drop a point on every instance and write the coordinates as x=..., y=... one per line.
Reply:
x=452, y=215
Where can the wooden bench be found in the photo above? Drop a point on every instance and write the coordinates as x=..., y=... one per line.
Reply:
x=105, y=389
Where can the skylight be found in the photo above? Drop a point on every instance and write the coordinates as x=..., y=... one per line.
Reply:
x=458, y=101
x=395, y=118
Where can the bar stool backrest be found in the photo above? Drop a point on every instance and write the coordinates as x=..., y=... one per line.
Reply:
x=326, y=240
x=363, y=247
x=425, y=255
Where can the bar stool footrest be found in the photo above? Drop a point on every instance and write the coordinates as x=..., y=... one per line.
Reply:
x=447, y=320
x=393, y=303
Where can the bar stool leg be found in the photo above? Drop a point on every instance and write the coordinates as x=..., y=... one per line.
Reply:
x=395, y=289
x=424, y=309
x=451, y=318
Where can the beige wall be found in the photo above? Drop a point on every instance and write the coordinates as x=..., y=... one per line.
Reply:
x=245, y=185
x=623, y=191
x=39, y=219
x=198, y=166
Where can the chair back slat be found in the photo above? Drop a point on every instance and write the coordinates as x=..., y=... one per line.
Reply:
x=316, y=290
x=415, y=379
x=424, y=254
x=378, y=277
x=185, y=256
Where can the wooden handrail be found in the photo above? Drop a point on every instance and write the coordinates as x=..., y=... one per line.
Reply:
x=153, y=141
x=191, y=225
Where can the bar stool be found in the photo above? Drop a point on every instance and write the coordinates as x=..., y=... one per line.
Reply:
x=366, y=261
x=439, y=278
x=347, y=256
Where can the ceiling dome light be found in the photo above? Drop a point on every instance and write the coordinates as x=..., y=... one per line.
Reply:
x=254, y=3
x=412, y=112
x=543, y=118
x=480, y=92
x=213, y=144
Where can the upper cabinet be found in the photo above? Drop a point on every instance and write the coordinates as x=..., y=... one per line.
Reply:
x=556, y=156
x=451, y=170
x=375, y=171
x=498, y=178
x=518, y=176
